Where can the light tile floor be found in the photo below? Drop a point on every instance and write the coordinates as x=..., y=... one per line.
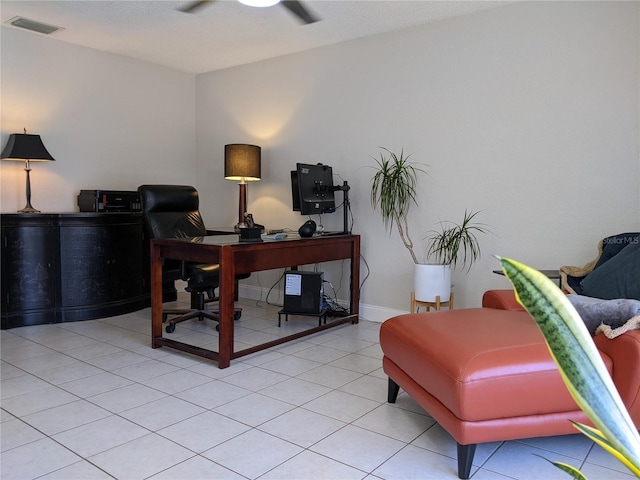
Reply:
x=92, y=400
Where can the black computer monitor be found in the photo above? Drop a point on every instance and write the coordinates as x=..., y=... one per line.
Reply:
x=312, y=189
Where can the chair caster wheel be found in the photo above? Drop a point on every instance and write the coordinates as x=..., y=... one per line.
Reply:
x=164, y=317
x=170, y=328
x=237, y=315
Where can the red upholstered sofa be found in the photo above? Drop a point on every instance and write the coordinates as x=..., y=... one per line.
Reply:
x=485, y=374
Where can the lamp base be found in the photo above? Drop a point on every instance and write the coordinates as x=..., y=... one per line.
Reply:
x=28, y=209
x=238, y=226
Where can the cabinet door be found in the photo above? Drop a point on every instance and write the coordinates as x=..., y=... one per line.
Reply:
x=84, y=264
x=126, y=261
x=29, y=259
x=69, y=267
x=101, y=261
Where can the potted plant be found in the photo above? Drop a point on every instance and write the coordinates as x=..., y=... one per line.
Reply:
x=393, y=190
x=452, y=246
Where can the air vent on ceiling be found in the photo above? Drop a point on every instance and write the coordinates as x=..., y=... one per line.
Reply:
x=34, y=26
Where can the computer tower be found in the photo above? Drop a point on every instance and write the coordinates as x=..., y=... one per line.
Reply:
x=303, y=292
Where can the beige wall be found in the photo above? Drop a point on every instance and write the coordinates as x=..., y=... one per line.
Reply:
x=109, y=121
x=528, y=112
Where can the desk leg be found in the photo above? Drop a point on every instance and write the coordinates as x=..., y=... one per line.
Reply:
x=226, y=306
x=355, y=278
x=156, y=296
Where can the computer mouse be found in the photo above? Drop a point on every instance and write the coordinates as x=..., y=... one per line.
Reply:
x=307, y=229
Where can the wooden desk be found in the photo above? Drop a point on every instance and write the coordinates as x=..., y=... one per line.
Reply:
x=237, y=258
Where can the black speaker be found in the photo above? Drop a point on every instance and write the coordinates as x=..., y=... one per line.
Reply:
x=307, y=229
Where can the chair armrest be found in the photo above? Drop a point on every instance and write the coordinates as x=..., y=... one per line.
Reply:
x=501, y=299
x=624, y=350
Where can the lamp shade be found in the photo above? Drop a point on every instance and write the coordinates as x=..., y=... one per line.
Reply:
x=242, y=162
x=24, y=146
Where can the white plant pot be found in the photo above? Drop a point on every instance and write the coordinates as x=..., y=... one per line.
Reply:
x=432, y=280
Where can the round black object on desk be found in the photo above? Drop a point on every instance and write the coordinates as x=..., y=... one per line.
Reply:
x=307, y=229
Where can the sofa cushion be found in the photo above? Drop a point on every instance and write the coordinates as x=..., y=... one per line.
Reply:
x=480, y=363
x=618, y=277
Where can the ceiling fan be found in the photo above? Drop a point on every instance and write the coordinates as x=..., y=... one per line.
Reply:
x=294, y=6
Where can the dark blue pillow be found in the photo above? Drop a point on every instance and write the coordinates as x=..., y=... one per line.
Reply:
x=575, y=283
x=611, y=246
x=618, y=277
x=614, y=244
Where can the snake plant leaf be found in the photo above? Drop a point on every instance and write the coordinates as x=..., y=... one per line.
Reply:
x=596, y=435
x=572, y=471
x=578, y=360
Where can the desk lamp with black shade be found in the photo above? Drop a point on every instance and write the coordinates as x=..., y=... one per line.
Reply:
x=242, y=163
x=26, y=148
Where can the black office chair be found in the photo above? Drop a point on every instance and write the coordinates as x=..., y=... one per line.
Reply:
x=171, y=211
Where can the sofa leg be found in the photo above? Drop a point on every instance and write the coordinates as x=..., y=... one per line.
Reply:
x=465, y=459
x=392, y=393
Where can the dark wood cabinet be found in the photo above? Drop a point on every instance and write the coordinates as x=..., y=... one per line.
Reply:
x=69, y=267
x=29, y=266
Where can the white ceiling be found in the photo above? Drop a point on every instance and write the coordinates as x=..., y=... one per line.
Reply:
x=224, y=33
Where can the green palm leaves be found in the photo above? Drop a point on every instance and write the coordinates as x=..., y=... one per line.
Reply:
x=393, y=190
x=579, y=363
x=457, y=243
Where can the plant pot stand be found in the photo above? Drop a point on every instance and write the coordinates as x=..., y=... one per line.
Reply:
x=416, y=304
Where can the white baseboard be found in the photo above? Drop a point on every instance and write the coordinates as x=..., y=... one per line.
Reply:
x=376, y=313
x=373, y=313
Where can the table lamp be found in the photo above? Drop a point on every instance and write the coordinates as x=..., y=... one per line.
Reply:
x=242, y=162
x=26, y=148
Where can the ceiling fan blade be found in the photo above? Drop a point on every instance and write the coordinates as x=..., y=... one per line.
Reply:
x=193, y=7
x=295, y=7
